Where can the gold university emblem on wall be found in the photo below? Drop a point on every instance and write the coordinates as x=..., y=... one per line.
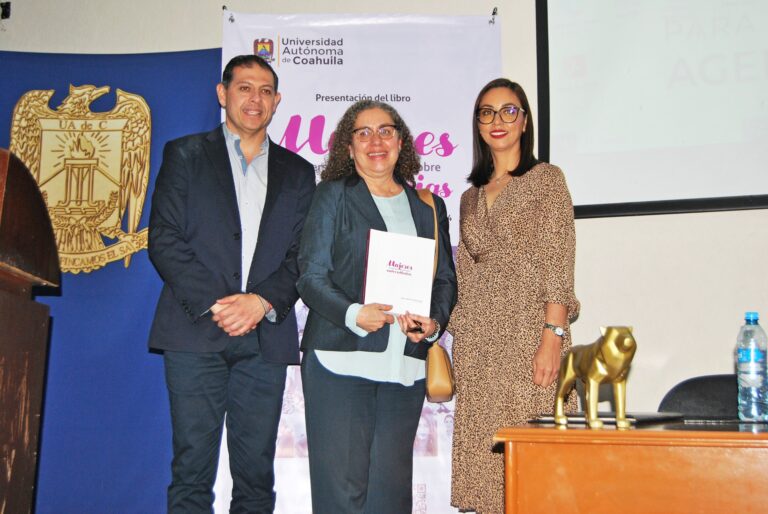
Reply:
x=92, y=168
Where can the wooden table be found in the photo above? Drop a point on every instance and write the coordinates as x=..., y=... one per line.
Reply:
x=665, y=469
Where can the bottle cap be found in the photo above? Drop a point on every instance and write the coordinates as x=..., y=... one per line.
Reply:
x=751, y=316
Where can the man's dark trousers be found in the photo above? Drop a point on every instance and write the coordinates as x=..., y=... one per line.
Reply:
x=202, y=387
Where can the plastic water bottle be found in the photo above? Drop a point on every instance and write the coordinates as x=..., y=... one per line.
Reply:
x=751, y=369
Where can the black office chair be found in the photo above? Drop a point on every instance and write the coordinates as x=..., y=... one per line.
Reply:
x=704, y=397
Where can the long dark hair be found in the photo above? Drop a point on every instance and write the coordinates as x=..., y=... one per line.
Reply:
x=482, y=162
x=339, y=165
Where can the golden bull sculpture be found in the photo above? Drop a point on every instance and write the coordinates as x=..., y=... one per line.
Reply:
x=606, y=360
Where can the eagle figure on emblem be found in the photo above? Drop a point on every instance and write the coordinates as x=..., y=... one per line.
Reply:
x=92, y=168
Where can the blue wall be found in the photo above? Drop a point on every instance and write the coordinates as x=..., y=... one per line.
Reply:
x=106, y=439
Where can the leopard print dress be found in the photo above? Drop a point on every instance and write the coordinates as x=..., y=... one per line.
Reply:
x=512, y=259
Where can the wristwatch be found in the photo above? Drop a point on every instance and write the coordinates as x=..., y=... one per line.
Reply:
x=559, y=331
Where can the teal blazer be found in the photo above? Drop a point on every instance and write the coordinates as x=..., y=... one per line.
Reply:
x=332, y=264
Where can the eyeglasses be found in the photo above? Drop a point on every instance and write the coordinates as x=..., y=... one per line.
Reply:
x=364, y=134
x=508, y=114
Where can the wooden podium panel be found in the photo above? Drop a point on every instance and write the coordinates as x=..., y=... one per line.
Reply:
x=669, y=469
x=22, y=370
x=28, y=258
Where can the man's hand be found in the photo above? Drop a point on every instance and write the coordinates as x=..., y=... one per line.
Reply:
x=238, y=314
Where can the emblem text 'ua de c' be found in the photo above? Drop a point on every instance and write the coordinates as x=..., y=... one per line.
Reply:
x=92, y=168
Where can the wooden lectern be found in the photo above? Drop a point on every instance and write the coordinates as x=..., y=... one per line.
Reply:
x=28, y=258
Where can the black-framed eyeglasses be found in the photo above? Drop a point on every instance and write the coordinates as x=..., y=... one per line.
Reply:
x=364, y=134
x=508, y=114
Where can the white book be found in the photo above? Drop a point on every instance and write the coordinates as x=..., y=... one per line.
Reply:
x=398, y=272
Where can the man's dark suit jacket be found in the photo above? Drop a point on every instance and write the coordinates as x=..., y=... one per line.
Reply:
x=194, y=242
x=332, y=263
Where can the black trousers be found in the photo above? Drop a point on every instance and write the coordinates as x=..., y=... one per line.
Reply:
x=202, y=387
x=360, y=436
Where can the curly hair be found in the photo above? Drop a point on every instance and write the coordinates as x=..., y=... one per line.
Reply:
x=339, y=165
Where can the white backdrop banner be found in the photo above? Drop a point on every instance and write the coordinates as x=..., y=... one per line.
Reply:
x=430, y=69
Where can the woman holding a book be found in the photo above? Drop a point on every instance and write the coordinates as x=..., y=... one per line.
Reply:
x=363, y=365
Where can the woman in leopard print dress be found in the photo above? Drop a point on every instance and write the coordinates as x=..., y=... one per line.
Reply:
x=515, y=272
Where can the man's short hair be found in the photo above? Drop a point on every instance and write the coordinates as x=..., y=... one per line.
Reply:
x=247, y=60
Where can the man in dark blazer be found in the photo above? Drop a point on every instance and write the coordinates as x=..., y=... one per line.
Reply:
x=227, y=213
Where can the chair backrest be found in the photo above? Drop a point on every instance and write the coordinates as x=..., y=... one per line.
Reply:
x=707, y=396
